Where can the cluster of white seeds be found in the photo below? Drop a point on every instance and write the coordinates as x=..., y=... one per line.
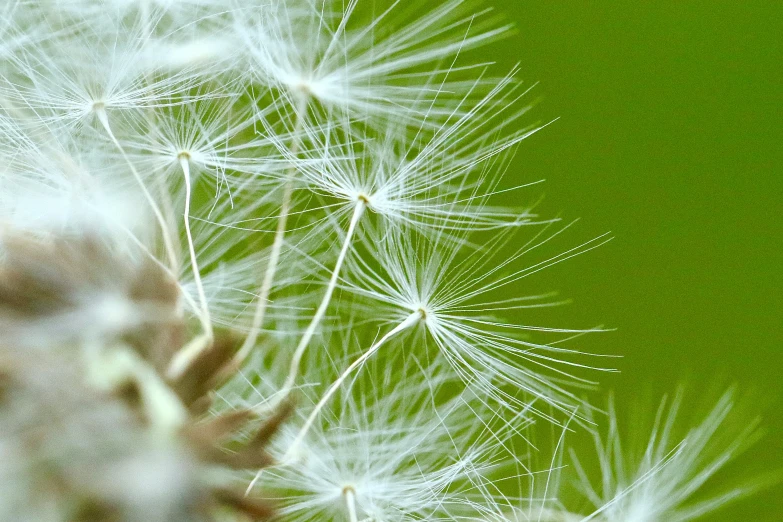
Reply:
x=324, y=181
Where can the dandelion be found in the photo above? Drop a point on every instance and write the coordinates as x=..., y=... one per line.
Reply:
x=663, y=482
x=193, y=136
x=258, y=261
x=314, y=67
x=378, y=453
x=424, y=186
x=440, y=178
x=445, y=288
x=108, y=77
x=313, y=53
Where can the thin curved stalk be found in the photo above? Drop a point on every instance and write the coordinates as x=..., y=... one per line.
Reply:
x=350, y=502
x=100, y=112
x=410, y=321
x=204, y=316
x=277, y=244
x=304, y=342
x=188, y=353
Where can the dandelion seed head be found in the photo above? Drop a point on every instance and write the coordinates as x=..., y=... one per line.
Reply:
x=235, y=234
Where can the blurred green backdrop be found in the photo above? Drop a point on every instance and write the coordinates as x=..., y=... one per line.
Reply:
x=670, y=136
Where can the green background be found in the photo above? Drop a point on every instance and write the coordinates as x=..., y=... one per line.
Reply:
x=670, y=137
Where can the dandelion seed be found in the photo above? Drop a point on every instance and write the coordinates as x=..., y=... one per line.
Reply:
x=311, y=52
x=662, y=483
x=388, y=452
x=439, y=179
x=448, y=287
